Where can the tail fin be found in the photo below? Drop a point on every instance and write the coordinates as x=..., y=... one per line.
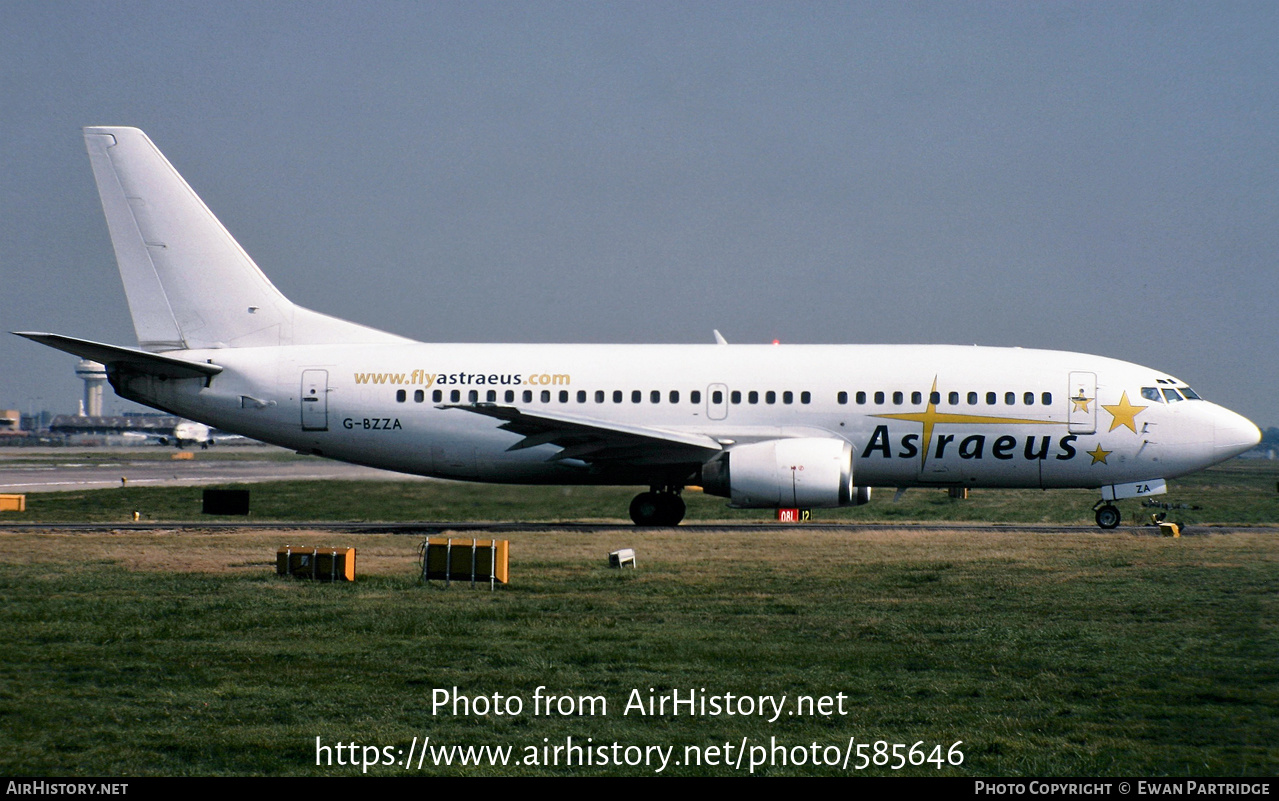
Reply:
x=189, y=283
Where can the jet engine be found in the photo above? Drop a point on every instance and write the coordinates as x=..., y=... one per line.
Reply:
x=803, y=472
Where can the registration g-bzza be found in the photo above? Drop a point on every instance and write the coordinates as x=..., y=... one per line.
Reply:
x=764, y=426
x=373, y=423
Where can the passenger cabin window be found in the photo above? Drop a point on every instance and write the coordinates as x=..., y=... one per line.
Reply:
x=473, y=396
x=861, y=398
x=455, y=396
x=934, y=398
x=419, y=395
x=899, y=398
x=841, y=398
x=528, y=396
x=991, y=398
x=581, y=396
x=770, y=397
x=1010, y=398
x=953, y=398
x=510, y=396
x=617, y=396
x=636, y=396
x=735, y=396
x=491, y=396
x=879, y=398
x=1028, y=398
x=674, y=396
x=805, y=397
x=546, y=396
x=789, y=397
x=655, y=396
x=696, y=396
x=717, y=397
x=1046, y=398
x=400, y=396
x=916, y=398
x=437, y=396
x=599, y=396
x=972, y=398
x=752, y=397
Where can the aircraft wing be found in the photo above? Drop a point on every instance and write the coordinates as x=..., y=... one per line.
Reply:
x=595, y=441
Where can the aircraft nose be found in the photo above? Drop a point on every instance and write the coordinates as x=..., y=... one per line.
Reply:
x=1232, y=435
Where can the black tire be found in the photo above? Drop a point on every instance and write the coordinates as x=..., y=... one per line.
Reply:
x=1108, y=517
x=646, y=509
x=672, y=509
x=657, y=509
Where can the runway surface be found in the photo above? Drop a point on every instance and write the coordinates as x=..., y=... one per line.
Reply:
x=429, y=527
x=26, y=470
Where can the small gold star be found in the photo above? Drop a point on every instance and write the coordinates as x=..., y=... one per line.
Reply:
x=1081, y=404
x=1099, y=455
x=1124, y=413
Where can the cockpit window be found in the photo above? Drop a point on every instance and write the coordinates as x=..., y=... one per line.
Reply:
x=1190, y=394
x=1151, y=394
x=1171, y=395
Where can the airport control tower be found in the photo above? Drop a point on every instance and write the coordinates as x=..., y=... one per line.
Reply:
x=94, y=376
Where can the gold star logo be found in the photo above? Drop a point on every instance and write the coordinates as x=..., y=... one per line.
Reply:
x=1124, y=413
x=1081, y=403
x=1099, y=455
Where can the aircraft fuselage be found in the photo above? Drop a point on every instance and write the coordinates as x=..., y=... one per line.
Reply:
x=915, y=415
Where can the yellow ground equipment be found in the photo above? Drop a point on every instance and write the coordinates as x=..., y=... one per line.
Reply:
x=456, y=559
x=321, y=564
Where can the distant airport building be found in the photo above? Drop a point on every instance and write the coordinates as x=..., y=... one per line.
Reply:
x=10, y=422
x=139, y=427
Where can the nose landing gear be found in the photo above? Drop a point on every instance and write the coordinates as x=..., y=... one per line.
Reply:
x=1107, y=515
x=658, y=507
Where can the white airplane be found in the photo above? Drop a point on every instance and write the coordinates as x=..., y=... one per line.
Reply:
x=766, y=426
x=184, y=433
x=189, y=432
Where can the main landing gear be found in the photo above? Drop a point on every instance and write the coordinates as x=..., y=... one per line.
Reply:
x=658, y=507
x=1107, y=515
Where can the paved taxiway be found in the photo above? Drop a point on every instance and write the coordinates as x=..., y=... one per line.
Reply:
x=24, y=470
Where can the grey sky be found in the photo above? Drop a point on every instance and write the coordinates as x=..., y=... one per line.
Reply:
x=1095, y=177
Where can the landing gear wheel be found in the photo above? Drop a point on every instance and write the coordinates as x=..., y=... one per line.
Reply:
x=657, y=509
x=1107, y=516
x=645, y=509
x=672, y=508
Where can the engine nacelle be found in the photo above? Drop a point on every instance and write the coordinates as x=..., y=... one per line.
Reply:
x=810, y=473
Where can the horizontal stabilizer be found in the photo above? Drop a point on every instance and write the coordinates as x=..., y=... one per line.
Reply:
x=137, y=360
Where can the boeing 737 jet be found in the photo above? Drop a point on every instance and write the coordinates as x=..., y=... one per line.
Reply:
x=766, y=426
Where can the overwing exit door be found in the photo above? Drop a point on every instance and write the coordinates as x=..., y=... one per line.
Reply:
x=717, y=401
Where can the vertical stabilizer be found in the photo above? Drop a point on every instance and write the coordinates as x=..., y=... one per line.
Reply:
x=189, y=283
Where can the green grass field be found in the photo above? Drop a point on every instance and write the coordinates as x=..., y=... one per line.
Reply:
x=1083, y=653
